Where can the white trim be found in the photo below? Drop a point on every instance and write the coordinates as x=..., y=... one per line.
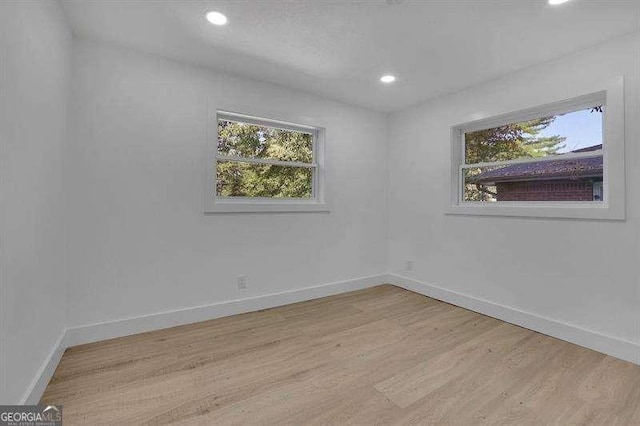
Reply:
x=610, y=345
x=243, y=205
x=125, y=327
x=266, y=161
x=266, y=122
x=213, y=204
x=583, y=210
x=45, y=372
x=128, y=326
x=614, y=205
x=74, y=336
x=552, y=108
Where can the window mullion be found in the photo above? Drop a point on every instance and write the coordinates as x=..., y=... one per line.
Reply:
x=266, y=161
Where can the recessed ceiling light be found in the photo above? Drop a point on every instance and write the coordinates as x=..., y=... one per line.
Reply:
x=387, y=79
x=216, y=18
x=556, y=2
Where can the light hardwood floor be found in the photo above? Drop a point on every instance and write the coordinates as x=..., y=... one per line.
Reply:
x=378, y=356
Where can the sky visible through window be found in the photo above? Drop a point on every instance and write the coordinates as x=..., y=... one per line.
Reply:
x=581, y=128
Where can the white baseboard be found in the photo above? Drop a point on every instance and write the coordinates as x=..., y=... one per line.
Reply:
x=618, y=348
x=44, y=374
x=125, y=327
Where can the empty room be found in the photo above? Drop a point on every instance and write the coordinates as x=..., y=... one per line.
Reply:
x=218, y=212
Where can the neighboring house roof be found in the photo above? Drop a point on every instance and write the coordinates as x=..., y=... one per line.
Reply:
x=572, y=168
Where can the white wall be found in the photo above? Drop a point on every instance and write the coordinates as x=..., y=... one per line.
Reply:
x=140, y=243
x=130, y=183
x=583, y=273
x=34, y=70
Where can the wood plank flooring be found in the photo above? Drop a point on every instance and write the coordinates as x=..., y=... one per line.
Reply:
x=377, y=356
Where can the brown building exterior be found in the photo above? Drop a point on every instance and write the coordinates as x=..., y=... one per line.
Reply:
x=550, y=190
x=578, y=179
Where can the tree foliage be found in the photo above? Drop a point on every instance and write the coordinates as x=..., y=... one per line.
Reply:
x=508, y=142
x=512, y=141
x=242, y=179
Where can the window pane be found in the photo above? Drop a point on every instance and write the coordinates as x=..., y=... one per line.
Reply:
x=237, y=179
x=578, y=131
x=578, y=179
x=236, y=139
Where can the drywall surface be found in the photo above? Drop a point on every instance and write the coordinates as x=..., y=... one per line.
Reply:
x=581, y=273
x=140, y=242
x=35, y=57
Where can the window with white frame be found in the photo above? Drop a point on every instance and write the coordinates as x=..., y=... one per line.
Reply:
x=556, y=160
x=551, y=158
x=266, y=162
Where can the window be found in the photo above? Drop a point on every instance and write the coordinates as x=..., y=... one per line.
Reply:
x=266, y=165
x=557, y=157
x=559, y=160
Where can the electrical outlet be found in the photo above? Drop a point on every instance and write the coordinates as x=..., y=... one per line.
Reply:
x=409, y=265
x=242, y=282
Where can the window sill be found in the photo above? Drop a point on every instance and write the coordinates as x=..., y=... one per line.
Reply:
x=590, y=211
x=266, y=207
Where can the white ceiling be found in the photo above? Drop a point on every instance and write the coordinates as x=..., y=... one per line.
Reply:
x=339, y=48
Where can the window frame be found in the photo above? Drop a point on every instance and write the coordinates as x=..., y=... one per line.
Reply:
x=613, y=206
x=222, y=204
